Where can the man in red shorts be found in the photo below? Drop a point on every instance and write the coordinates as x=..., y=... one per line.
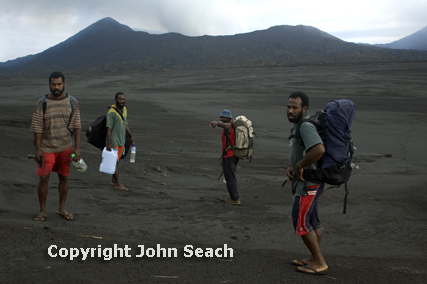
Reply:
x=117, y=126
x=55, y=120
x=306, y=194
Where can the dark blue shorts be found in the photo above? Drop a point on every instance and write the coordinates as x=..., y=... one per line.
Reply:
x=305, y=210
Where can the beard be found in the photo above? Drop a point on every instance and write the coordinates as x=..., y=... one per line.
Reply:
x=296, y=118
x=56, y=92
x=119, y=105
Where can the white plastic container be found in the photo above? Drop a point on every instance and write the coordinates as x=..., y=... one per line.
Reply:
x=109, y=161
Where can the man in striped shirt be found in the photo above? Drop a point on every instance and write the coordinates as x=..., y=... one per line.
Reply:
x=56, y=120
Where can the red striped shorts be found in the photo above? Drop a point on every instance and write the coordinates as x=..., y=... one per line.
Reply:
x=305, y=211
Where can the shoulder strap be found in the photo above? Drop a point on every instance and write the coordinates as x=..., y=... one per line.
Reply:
x=119, y=112
x=227, y=142
x=297, y=134
x=44, y=104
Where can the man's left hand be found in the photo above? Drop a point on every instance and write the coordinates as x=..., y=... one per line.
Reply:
x=77, y=156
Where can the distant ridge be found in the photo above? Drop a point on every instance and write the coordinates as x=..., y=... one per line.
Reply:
x=110, y=47
x=417, y=40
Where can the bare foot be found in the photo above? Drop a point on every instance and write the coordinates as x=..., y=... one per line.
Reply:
x=64, y=214
x=41, y=217
x=303, y=262
x=313, y=269
x=121, y=187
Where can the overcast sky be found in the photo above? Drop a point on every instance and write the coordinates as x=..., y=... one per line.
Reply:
x=29, y=27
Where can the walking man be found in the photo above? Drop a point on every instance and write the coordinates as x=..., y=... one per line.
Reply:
x=229, y=160
x=55, y=120
x=117, y=126
x=306, y=194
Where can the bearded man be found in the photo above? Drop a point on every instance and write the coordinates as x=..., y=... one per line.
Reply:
x=117, y=126
x=55, y=121
x=306, y=194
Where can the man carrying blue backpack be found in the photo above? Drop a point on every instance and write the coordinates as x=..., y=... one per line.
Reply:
x=306, y=194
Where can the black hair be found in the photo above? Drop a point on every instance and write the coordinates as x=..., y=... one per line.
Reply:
x=304, y=98
x=118, y=94
x=55, y=75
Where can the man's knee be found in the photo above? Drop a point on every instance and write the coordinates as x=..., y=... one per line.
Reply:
x=44, y=179
x=62, y=178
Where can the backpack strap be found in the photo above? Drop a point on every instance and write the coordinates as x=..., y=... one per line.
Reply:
x=119, y=112
x=228, y=144
x=297, y=134
x=345, y=200
x=44, y=105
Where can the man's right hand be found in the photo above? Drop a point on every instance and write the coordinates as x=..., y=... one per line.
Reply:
x=39, y=154
x=289, y=172
x=109, y=146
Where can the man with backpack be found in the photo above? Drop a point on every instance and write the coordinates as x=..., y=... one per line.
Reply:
x=306, y=194
x=117, y=126
x=229, y=160
x=55, y=120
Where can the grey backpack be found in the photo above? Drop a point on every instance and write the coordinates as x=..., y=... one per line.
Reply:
x=244, y=138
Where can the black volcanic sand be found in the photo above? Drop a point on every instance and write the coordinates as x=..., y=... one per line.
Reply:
x=175, y=198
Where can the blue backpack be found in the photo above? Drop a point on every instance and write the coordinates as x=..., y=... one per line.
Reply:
x=334, y=127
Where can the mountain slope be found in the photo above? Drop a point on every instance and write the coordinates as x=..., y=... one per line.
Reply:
x=417, y=40
x=108, y=46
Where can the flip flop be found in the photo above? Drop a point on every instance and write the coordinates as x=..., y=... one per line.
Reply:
x=299, y=262
x=67, y=216
x=121, y=188
x=309, y=270
x=43, y=218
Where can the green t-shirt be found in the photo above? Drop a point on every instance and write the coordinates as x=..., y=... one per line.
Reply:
x=117, y=126
x=310, y=137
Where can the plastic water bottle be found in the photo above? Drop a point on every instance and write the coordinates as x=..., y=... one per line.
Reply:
x=80, y=165
x=132, y=153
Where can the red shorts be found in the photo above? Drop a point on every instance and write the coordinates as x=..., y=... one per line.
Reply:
x=55, y=162
x=120, y=150
x=305, y=211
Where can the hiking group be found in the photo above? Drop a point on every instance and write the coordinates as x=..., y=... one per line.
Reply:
x=56, y=120
x=313, y=156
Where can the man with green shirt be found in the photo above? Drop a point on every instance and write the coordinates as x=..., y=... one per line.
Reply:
x=117, y=126
x=306, y=194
